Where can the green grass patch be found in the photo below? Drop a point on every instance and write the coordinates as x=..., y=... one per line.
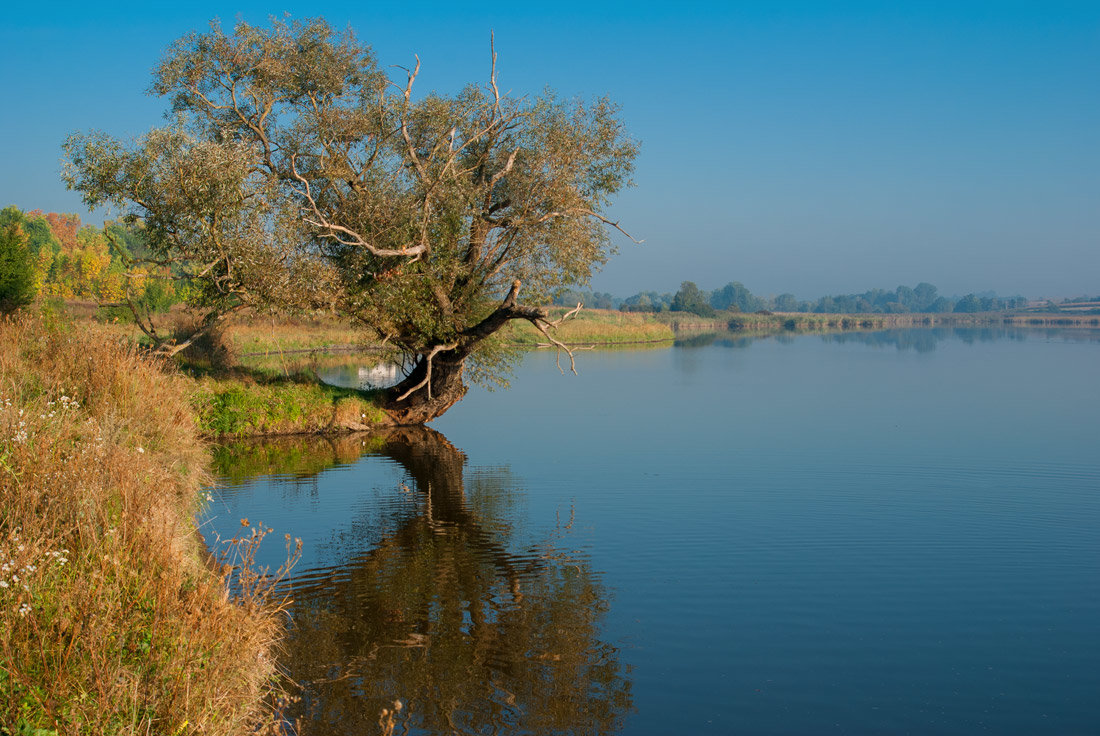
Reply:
x=244, y=404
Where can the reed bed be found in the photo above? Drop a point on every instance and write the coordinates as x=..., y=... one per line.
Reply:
x=594, y=327
x=111, y=621
x=1054, y=319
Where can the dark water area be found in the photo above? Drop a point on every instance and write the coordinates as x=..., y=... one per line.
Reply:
x=865, y=533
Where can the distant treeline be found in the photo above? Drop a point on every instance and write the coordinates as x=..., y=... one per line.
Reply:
x=735, y=297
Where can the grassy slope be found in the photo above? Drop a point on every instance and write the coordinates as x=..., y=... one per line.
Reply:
x=110, y=623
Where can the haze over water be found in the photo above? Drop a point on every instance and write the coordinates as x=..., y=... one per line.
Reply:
x=885, y=533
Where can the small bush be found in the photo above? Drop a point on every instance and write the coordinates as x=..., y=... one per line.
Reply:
x=210, y=350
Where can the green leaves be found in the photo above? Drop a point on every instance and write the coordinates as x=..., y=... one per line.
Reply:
x=17, y=265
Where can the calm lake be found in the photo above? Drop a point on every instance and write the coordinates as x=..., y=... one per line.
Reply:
x=880, y=533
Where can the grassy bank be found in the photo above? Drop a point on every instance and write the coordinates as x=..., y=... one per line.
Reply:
x=248, y=403
x=595, y=327
x=606, y=327
x=773, y=322
x=110, y=621
x=1053, y=319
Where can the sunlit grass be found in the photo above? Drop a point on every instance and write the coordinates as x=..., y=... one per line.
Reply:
x=242, y=404
x=110, y=621
x=594, y=327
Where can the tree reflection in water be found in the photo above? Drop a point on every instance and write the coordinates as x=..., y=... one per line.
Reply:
x=471, y=636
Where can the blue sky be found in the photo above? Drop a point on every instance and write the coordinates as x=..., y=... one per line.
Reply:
x=810, y=147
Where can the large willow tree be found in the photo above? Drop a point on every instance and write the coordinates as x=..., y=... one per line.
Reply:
x=299, y=174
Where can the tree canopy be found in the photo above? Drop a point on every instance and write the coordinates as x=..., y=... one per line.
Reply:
x=298, y=173
x=690, y=298
x=16, y=263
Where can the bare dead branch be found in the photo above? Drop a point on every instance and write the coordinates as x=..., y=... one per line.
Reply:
x=571, y=313
x=493, y=70
x=542, y=325
x=566, y=213
x=504, y=171
x=420, y=168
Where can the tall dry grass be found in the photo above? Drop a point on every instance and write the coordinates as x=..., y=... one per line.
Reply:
x=594, y=327
x=110, y=621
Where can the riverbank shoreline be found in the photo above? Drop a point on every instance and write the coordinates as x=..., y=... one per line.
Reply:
x=283, y=396
x=267, y=385
x=112, y=618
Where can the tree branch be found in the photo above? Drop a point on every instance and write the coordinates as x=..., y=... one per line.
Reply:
x=543, y=324
x=420, y=169
x=428, y=372
x=508, y=310
x=413, y=251
x=211, y=320
x=508, y=223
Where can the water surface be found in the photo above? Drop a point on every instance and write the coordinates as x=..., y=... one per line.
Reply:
x=882, y=533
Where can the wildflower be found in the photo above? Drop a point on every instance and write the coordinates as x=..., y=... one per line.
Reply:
x=3, y=583
x=141, y=450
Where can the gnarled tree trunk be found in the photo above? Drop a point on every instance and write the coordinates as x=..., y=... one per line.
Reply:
x=435, y=383
x=428, y=399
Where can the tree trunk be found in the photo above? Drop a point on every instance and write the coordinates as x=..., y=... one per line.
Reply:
x=416, y=400
x=432, y=399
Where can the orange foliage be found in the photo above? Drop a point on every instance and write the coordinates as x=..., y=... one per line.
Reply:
x=64, y=228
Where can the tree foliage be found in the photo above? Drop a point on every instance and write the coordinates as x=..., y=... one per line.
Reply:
x=298, y=173
x=17, y=287
x=734, y=296
x=690, y=298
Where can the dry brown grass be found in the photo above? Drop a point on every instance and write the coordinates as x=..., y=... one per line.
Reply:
x=273, y=335
x=110, y=622
x=598, y=327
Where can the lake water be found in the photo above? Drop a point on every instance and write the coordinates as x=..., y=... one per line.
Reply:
x=883, y=533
